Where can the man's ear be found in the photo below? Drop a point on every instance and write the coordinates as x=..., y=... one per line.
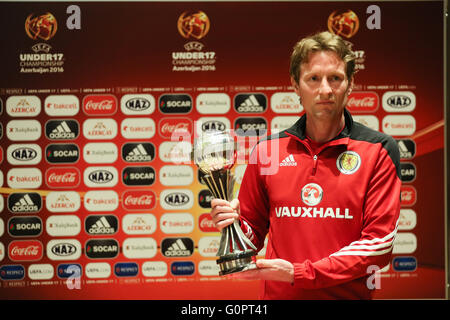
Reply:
x=350, y=86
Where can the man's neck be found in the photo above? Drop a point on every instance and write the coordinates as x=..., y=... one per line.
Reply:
x=322, y=131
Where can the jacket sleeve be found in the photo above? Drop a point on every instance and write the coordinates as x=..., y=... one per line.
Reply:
x=254, y=217
x=374, y=247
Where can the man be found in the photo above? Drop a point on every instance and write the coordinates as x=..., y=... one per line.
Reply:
x=332, y=206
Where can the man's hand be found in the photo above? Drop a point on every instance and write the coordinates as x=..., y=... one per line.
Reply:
x=268, y=269
x=224, y=213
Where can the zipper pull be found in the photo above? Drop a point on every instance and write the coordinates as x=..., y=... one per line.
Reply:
x=314, y=165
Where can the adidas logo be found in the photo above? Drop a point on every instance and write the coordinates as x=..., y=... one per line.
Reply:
x=138, y=154
x=177, y=249
x=25, y=204
x=62, y=131
x=289, y=161
x=250, y=104
x=101, y=226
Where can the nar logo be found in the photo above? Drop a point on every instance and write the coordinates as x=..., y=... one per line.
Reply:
x=24, y=154
x=99, y=177
x=176, y=199
x=399, y=101
x=137, y=104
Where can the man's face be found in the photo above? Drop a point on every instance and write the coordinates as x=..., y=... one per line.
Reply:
x=323, y=85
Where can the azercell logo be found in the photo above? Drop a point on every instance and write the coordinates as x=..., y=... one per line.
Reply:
x=289, y=161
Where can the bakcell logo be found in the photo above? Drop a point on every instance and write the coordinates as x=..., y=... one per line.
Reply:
x=23, y=106
x=104, y=200
x=98, y=129
x=99, y=105
x=102, y=248
x=25, y=250
x=206, y=224
x=24, y=154
x=23, y=130
x=101, y=152
x=24, y=178
x=408, y=195
x=250, y=126
x=250, y=103
x=175, y=103
x=137, y=104
x=63, y=177
x=63, y=201
x=138, y=128
x=399, y=125
x=213, y=103
x=139, y=200
x=177, y=223
x=25, y=226
x=62, y=153
x=363, y=102
x=61, y=105
x=138, y=223
x=138, y=152
x=175, y=127
x=65, y=129
x=30, y=202
x=138, y=176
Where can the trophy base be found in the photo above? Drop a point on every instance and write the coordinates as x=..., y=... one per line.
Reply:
x=236, y=262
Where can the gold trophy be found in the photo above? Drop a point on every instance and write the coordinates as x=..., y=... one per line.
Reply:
x=215, y=153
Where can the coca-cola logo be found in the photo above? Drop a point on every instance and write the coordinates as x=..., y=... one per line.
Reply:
x=62, y=177
x=100, y=104
x=175, y=127
x=139, y=200
x=363, y=102
x=206, y=224
x=25, y=250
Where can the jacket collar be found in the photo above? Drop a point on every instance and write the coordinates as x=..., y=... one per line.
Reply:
x=299, y=128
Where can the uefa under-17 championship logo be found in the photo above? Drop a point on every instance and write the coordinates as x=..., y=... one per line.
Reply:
x=344, y=24
x=41, y=26
x=195, y=25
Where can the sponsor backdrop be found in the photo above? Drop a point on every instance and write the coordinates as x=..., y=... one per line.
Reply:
x=99, y=106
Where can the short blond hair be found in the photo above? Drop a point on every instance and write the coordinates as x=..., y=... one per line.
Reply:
x=321, y=41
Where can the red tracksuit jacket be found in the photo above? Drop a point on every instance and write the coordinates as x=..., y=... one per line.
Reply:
x=331, y=210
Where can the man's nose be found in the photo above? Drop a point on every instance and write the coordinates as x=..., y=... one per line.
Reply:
x=325, y=89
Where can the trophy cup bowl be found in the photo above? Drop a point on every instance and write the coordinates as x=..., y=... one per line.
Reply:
x=214, y=154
